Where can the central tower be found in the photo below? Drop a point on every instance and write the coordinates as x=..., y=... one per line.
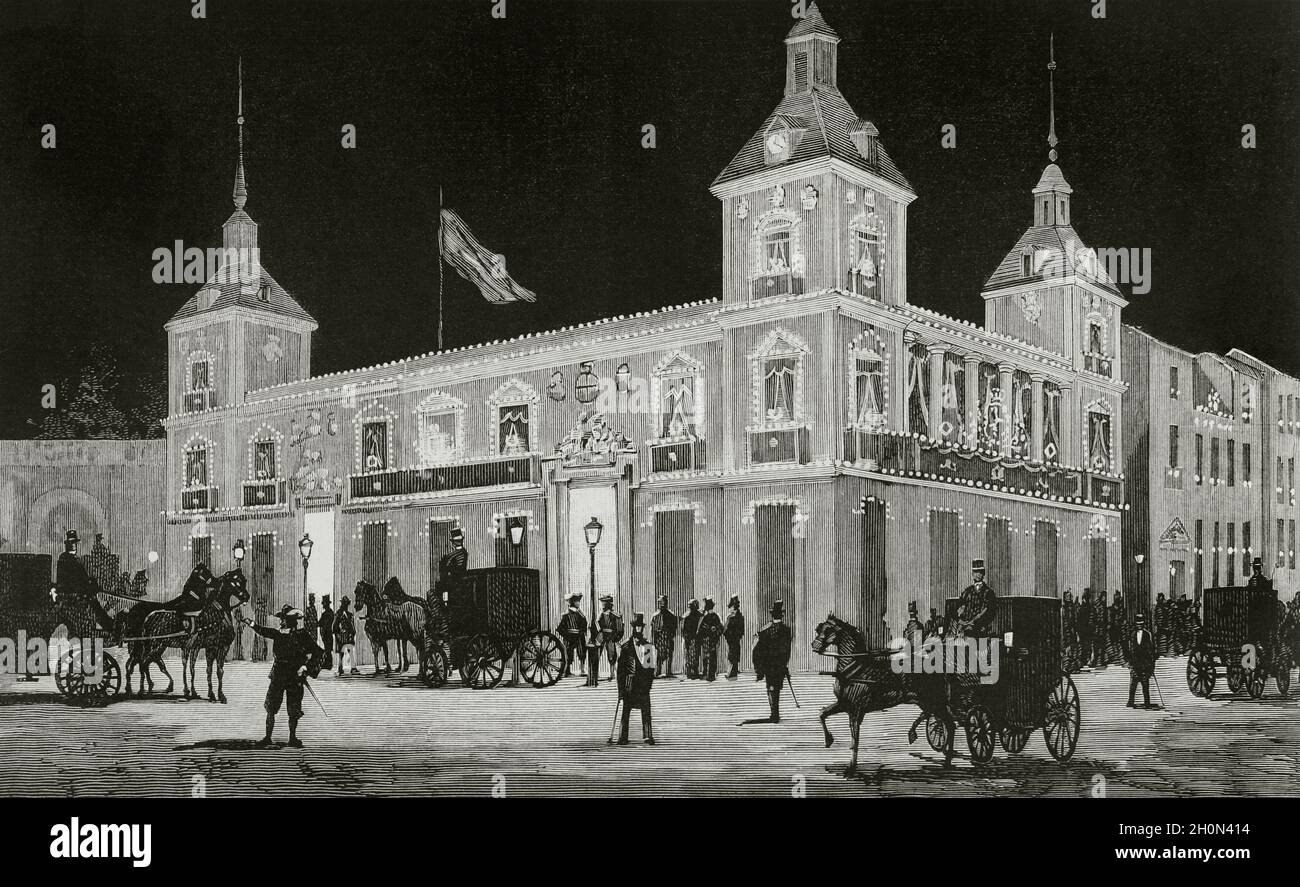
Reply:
x=813, y=201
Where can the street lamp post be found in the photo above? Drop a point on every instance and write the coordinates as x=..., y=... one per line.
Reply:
x=304, y=548
x=593, y=530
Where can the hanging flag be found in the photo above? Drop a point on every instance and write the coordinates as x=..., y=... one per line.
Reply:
x=477, y=264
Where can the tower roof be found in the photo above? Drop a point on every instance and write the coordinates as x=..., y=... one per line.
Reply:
x=248, y=288
x=1053, y=180
x=1063, y=246
x=812, y=23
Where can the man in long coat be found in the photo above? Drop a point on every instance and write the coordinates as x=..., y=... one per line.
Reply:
x=611, y=630
x=71, y=578
x=663, y=631
x=690, y=627
x=326, y=628
x=1139, y=647
x=735, y=635
x=977, y=606
x=345, y=635
x=709, y=633
x=636, y=675
x=772, y=658
x=573, y=631
x=1257, y=578
x=1085, y=625
x=453, y=565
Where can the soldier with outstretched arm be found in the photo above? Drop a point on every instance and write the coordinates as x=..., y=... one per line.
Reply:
x=297, y=657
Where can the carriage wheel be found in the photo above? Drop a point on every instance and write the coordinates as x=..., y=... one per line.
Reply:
x=484, y=665
x=433, y=667
x=936, y=733
x=541, y=659
x=1283, y=678
x=107, y=686
x=71, y=679
x=1014, y=739
x=1254, y=680
x=1200, y=673
x=1236, y=676
x=1062, y=720
x=979, y=734
x=67, y=674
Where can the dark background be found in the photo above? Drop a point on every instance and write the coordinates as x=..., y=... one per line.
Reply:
x=532, y=126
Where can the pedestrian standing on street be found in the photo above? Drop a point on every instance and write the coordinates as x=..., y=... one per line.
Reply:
x=297, y=657
x=1140, y=651
x=636, y=675
x=1162, y=624
x=709, y=633
x=345, y=636
x=663, y=631
x=611, y=630
x=1084, y=626
x=310, y=619
x=327, y=632
x=913, y=631
x=1069, y=620
x=573, y=631
x=690, y=626
x=735, y=635
x=1100, y=629
x=772, y=658
x=1118, y=622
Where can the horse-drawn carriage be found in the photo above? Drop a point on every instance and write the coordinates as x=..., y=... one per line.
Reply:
x=1028, y=689
x=492, y=616
x=1250, y=635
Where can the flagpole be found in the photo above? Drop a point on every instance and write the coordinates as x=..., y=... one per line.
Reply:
x=439, y=267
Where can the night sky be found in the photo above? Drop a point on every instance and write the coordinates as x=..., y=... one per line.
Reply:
x=532, y=128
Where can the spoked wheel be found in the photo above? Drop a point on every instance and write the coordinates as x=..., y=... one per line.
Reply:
x=66, y=679
x=433, y=666
x=1200, y=673
x=541, y=659
x=980, y=734
x=74, y=681
x=1236, y=676
x=1062, y=720
x=936, y=733
x=484, y=665
x=1014, y=739
x=1282, y=676
x=1254, y=679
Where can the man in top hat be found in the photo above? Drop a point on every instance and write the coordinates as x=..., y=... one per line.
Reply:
x=709, y=633
x=1161, y=620
x=326, y=631
x=611, y=630
x=772, y=658
x=453, y=565
x=977, y=605
x=690, y=628
x=310, y=617
x=913, y=631
x=1257, y=578
x=573, y=631
x=296, y=658
x=345, y=636
x=71, y=578
x=663, y=631
x=636, y=675
x=1069, y=616
x=735, y=635
x=1117, y=619
x=1140, y=650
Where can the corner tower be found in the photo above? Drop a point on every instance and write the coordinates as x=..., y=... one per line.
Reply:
x=813, y=200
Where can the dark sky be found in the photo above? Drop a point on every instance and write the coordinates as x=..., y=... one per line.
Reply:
x=532, y=126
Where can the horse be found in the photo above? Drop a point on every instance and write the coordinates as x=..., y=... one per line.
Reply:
x=129, y=623
x=404, y=622
x=214, y=632
x=865, y=682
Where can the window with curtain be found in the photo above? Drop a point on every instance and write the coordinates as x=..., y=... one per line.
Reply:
x=918, y=390
x=512, y=426
x=1022, y=415
x=200, y=375
x=952, y=429
x=992, y=414
x=778, y=388
x=438, y=435
x=1098, y=440
x=677, y=405
x=196, y=467
x=374, y=446
x=866, y=262
x=776, y=251
x=1052, y=420
x=1046, y=549
x=264, y=459
x=869, y=390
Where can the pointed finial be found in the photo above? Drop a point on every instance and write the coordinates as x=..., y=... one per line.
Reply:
x=1051, y=89
x=241, y=192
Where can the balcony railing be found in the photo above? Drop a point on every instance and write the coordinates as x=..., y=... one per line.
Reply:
x=909, y=456
x=263, y=492
x=1173, y=478
x=677, y=455
x=437, y=479
x=778, y=445
x=198, y=401
x=1097, y=363
x=783, y=284
x=199, y=499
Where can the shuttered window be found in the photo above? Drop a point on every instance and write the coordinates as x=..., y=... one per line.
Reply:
x=997, y=540
x=1097, y=564
x=1045, y=557
x=374, y=553
x=675, y=557
x=774, y=526
x=201, y=551
x=944, y=559
x=874, y=589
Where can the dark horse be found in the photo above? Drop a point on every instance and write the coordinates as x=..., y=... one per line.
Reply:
x=214, y=632
x=404, y=622
x=865, y=682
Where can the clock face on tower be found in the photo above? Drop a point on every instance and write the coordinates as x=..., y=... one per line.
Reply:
x=778, y=142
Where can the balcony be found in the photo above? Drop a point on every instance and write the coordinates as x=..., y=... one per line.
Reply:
x=907, y=456
x=783, y=284
x=677, y=455
x=1099, y=364
x=1173, y=478
x=776, y=445
x=445, y=478
x=198, y=401
x=199, y=499
x=258, y=493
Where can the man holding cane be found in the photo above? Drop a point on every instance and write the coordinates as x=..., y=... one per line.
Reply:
x=772, y=658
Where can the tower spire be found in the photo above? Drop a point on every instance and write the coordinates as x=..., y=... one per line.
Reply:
x=241, y=192
x=1051, y=92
